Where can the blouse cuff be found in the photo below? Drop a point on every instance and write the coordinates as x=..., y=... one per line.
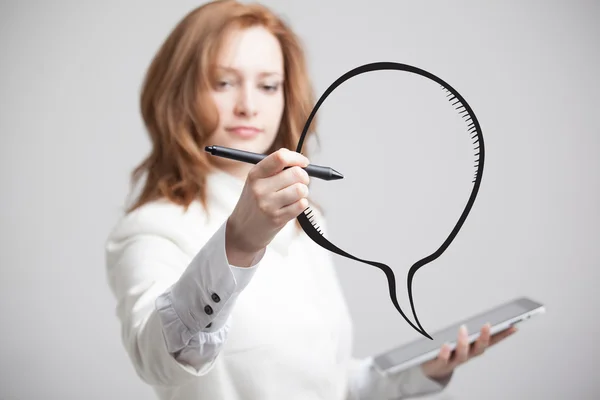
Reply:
x=203, y=297
x=177, y=335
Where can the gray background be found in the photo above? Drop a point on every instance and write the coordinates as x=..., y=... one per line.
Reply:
x=71, y=133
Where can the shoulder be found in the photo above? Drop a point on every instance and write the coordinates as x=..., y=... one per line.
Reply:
x=162, y=219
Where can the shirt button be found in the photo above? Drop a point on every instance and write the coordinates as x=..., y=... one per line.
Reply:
x=216, y=298
x=208, y=310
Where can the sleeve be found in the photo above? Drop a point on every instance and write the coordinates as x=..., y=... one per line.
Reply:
x=204, y=347
x=173, y=323
x=368, y=383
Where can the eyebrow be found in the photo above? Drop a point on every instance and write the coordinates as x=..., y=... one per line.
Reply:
x=263, y=73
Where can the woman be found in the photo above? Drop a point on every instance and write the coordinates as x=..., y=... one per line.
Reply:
x=219, y=292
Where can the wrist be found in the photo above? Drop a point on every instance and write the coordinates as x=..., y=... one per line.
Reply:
x=440, y=378
x=238, y=253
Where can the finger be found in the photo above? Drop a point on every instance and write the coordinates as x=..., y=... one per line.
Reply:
x=293, y=210
x=439, y=365
x=276, y=162
x=284, y=179
x=461, y=353
x=482, y=342
x=502, y=335
x=444, y=356
x=290, y=195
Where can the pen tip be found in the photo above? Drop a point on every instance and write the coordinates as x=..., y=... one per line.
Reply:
x=336, y=175
x=208, y=148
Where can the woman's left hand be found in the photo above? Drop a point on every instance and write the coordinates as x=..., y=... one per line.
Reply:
x=442, y=367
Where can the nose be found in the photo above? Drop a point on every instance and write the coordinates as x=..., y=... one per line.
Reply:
x=246, y=103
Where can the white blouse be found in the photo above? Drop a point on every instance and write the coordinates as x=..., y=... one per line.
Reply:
x=196, y=327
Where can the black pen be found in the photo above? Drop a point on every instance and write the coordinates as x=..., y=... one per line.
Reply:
x=316, y=171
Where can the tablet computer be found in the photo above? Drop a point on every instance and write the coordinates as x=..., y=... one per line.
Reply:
x=424, y=349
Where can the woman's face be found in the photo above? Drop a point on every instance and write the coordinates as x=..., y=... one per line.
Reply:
x=248, y=94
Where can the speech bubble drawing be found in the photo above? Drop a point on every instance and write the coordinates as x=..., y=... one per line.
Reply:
x=473, y=128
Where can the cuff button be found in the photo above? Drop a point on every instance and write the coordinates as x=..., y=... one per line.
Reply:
x=209, y=325
x=208, y=310
x=216, y=298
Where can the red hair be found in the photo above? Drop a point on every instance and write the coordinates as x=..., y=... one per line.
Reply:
x=178, y=113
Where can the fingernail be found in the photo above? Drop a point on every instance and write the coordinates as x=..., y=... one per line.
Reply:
x=463, y=328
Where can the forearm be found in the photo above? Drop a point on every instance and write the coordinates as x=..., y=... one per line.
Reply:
x=169, y=319
x=195, y=312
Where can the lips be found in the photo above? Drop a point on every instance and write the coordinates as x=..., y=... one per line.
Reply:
x=244, y=131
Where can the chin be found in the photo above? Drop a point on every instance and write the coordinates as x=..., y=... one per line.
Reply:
x=254, y=146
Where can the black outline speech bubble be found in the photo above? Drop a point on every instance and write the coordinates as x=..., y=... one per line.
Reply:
x=473, y=128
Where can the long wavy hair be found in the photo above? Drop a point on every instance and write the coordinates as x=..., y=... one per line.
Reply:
x=177, y=110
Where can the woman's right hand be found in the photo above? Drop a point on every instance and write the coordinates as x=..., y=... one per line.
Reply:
x=271, y=197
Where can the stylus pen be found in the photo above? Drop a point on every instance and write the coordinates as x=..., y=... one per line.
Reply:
x=316, y=171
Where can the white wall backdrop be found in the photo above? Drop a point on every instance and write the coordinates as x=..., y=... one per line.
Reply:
x=71, y=133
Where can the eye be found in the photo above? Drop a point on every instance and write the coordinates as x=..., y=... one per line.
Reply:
x=271, y=88
x=224, y=83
